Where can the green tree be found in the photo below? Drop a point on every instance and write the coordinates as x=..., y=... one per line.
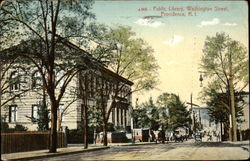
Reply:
x=42, y=119
x=225, y=61
x=95, y=119
x=48, y=25
x=140, y=118
x=152, y=112
x=147, y=115
x=130, y=58
x=177, y=111
x=219, y=110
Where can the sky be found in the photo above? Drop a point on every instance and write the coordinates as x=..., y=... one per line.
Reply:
x=177, y=32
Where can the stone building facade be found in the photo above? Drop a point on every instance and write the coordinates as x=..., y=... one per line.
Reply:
x=100, y=80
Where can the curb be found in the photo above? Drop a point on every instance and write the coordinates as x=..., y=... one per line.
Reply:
x=56, y=154
x=135, y=144
x=245, y=148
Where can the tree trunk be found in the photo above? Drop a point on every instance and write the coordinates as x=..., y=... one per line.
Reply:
x=230, y=134
x=232, y=101
x=234, y=137
x=84, y=108
x=53, y=136
x=44, y=105
x=105, y=133
x=85, y=126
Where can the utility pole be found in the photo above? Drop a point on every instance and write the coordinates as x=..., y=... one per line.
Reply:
x=193, y=121
x=193, y=113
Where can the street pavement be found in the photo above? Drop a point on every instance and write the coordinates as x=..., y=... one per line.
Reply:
x=188, y=150
x=71, y=149
x=45, y=154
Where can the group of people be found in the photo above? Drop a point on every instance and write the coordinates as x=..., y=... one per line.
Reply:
x=214, y=134
x=210, y=135
x=161, y=137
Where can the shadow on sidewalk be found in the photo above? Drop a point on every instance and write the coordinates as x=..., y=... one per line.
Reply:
x=220, y=144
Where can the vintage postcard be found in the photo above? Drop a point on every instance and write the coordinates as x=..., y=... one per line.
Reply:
x=124, y=80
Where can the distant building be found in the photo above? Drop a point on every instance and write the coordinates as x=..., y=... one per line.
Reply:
x=201, y=118
x=243, y=128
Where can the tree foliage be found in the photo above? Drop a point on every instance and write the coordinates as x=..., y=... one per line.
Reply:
x=147, y=116
x=177, y=110
x=129, y=57
x=168, y=113
x=225, y=62
x=42, y=119
x=215, y=61
x=218, y=106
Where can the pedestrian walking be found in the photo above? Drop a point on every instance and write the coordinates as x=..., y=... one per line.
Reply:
x=153, y=136
x=163, y=137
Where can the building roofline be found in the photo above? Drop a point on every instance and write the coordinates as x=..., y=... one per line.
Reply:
x=94, y=61
x=97, y=63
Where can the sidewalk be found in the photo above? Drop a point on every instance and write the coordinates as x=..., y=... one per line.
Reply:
x=131, y=144
x=71, y=149
x=244, y=144
x=44, y=153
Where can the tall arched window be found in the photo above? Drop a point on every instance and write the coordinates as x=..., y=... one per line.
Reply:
x=14, y=81
x=36, y=80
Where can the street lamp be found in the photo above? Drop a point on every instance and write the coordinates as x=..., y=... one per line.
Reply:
x=201, y=79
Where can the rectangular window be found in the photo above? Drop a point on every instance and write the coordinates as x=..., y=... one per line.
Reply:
x=13, y=113
x=14, y=87
x=35, y=112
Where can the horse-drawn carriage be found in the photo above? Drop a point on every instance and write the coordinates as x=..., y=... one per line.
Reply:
x=180, y=134
x=198, y=137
